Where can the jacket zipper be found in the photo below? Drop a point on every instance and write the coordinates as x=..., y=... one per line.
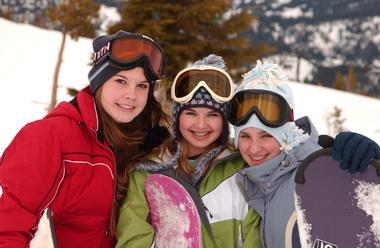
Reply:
x=107, y=233
x=114, y=185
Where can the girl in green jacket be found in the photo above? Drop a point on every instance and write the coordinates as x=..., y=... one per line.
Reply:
x=203, y=165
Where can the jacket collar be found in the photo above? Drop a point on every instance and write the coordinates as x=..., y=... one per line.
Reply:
x=85, y=113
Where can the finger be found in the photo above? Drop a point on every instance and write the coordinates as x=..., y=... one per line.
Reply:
x=377, y=152
x=366, y=162
x=362, y=157
x=343, y=166
x=339, y=143
x=349, y=151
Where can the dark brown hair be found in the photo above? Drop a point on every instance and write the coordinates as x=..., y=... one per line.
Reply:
x=126, y=141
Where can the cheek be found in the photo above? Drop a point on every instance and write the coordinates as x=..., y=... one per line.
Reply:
x=184, y=123
x=218, y=125
x=274, y=147
x=143, y=97
x=243, y=145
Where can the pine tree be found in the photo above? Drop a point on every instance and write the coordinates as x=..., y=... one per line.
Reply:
x=339, y=82
x=352, y=82
x=346, y=82
x=75, y=18
x=7, y=13
x=189, y=30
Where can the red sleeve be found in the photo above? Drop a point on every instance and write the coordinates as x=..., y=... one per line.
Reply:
x=29, y=171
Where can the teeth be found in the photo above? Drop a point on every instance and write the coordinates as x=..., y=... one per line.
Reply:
x=257, y=157
x=200, y=134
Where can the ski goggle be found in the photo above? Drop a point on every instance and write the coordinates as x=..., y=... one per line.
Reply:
x=216, y=81
x=129, y=49
x=271, y=108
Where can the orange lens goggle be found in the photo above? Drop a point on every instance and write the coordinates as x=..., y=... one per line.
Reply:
x=126, y=50
x=271, y=108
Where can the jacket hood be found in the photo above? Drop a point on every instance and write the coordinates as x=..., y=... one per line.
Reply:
x=283, y=163
x=84, y=112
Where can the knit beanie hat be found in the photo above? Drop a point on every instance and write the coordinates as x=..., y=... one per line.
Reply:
x=202, y=98
x=103, y=71
x=268, y=77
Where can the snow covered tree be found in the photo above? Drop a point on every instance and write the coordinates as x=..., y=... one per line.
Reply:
x=329, y=34
x=75, y=18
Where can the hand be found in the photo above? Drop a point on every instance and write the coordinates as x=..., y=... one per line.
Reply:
x=355, y=151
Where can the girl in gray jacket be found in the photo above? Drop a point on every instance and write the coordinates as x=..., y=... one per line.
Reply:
x=273, y=145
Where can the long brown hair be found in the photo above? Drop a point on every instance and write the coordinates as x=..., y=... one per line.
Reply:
x=125, y=141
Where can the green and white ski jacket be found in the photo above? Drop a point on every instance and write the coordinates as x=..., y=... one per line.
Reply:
x=233, y=223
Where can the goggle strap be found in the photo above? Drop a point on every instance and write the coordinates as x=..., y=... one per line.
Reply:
x=100, y=69
x=102, y=53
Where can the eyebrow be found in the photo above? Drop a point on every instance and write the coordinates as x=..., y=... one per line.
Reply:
x=119, y=75
x=126, y=78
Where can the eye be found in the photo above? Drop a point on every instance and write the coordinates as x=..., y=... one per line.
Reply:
x=143, y=85
x=266, y=135
x=213, y=114
x=187, y=112
x=244, y=136
x=120, y=81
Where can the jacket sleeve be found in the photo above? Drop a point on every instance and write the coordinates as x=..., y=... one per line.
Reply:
x=133, y=228
x=251, y=230
x=29, y=171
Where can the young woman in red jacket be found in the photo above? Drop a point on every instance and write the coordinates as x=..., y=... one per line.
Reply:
x=70, y=161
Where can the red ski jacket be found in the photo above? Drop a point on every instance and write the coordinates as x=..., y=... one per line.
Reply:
x=59, y=163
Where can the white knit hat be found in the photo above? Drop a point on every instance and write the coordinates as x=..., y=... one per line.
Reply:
x=268, y=77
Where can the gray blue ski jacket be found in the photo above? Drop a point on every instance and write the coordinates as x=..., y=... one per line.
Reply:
x=269, y=189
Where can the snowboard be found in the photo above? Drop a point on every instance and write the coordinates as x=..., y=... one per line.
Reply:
x=173, y=213
x=334, y=207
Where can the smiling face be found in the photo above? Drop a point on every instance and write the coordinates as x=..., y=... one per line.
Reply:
x=125, y=94
x=200, y=127
x=257, y=146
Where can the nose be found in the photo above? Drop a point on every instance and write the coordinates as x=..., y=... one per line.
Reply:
x=254, y=146
x=130, y=92
x=201, y=121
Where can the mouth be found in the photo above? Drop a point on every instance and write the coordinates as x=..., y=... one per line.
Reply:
x=255, y=160
x=126, y=107
x=200, y=134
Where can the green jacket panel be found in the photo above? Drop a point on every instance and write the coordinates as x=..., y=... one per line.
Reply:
x=133, y=229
